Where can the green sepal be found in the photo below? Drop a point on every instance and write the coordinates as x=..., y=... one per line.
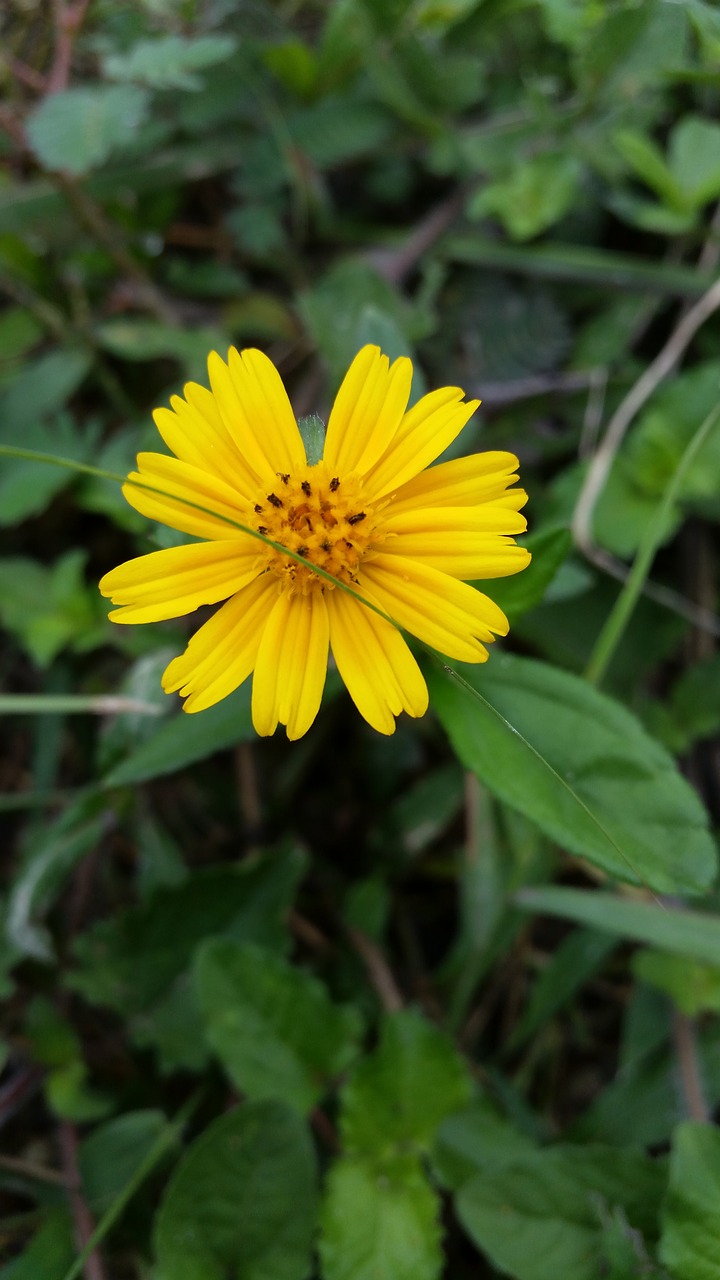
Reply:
x=312, y=430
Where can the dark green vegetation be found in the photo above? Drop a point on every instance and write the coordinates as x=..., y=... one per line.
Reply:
x=443, y=1005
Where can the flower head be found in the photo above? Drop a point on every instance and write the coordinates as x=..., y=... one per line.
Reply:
x=402, y=535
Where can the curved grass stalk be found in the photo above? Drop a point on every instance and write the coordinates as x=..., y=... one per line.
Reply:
x=621, y=612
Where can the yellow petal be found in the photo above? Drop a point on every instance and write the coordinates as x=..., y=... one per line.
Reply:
x=169, y=583
x=419, y=521
x=195, y=432
x=379, y=671
x=448, y=615
x=223, y=652
x=367, y=411
x=182, y=496
x=481, y=477
x=255, y=410
x=430, y=426
x=291, y=665
x=467, y=542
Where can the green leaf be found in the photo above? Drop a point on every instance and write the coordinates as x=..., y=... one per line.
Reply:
x=693, y=987
x=48, y=861
x=398, y=1096
x=169, y=62
x=694, y=158
x=50, y=608
x=379, y=1224
x=536, y=195
x=273, y=1026
x=519, y=594
x=648, y=162
x=78, y=129
x=185, y=739
x=540, y=1216
x=476, y=1138
x=336, y=310
x=686, y=933
x=130, y=961
x=690, y=1242
x=49, y=1254
x=141, y=340
x=241, y=1204
x=584, y=770
x=113, y=1152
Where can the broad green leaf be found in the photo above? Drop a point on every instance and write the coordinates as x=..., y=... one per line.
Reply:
x=242, y=1202
x=584, y=770
x=111, y=1154
x=398, y=1096
x=169, y=62
x=78, y=129
x=540, y=1216
x=185, y=739
x=379, y=1224
x=686, y=933
x=478, y=1138
x=690, y=1241
x=130, y=961
x=274, y=1027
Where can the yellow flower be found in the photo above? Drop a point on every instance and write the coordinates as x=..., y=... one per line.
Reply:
x=370, y=513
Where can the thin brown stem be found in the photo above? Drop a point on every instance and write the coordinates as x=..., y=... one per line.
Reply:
x=377, y=969
x=69, y=19
x=686, y=1049
x=83, y=1223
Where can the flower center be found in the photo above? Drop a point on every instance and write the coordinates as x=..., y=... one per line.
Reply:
x=323, y=518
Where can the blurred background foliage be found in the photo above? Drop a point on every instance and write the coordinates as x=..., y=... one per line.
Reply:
x=323, y=1009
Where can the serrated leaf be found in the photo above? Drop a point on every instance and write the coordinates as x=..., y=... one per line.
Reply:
x=242, y=1202
x=379, y=1224
x=690, y=1241
x=540, y=1217
x=584, y=770
x=274, y=1027
x=398, y=1096
x=78, y=129
x=169, y=62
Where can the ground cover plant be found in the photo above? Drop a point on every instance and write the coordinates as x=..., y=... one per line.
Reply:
x=360, y=1000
